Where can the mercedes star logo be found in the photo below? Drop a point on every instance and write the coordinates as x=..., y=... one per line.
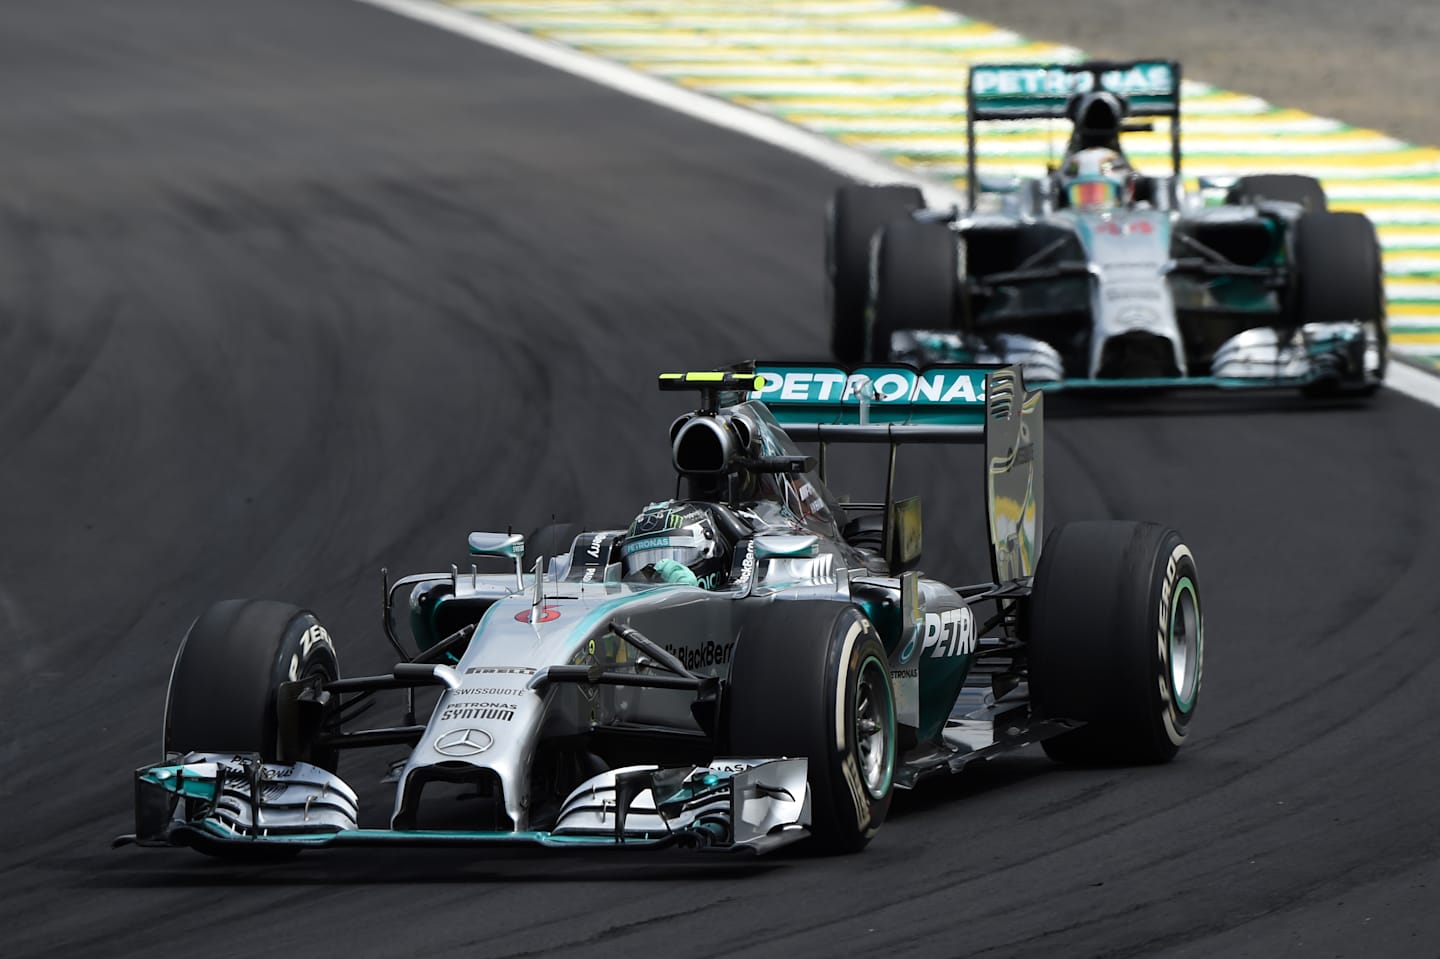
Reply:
x=463, y=742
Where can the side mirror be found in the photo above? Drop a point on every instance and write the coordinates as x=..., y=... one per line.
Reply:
x=504, y=545
x=509, y=546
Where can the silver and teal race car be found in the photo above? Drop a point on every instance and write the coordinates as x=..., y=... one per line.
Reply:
x=746, y=665
x=1095, y=276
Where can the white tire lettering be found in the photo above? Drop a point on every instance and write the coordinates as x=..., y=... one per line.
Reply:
x=1169, y=712
x=851, y=771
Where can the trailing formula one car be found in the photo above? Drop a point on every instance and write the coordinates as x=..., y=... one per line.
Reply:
x=739, y=668
x=1096, y=276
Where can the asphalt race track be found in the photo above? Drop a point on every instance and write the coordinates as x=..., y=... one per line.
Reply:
x=289, y=292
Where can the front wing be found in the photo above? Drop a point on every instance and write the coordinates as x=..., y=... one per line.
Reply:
x=1348, y=355
x=237, y=803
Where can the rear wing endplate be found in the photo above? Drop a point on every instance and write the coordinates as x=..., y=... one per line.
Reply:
x=895, y=404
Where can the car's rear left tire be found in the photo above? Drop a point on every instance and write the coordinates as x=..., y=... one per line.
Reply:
x=852, y=217
x=1115, y=640
x=810, y=678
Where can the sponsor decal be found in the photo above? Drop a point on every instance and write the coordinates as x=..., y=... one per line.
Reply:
x=594, y=550
x=747, y=565
x=950, y=633
x=1154, y=79
x=706, y=654
x=312, y=637
x=242, y=765
x=1171, y=709
x=1118, y=228
x=463, y=742
x=1032, y=81
x=657, y=518
x=498, y=711
x=881, y=385
x=1132, y=293
x=548, y=614
x=649, y=542
x=488, y=691
x=501, y=671
x=947, y=387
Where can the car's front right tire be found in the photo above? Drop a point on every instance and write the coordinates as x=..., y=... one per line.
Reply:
x=225, y=684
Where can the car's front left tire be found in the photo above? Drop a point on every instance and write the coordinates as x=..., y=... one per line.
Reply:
x=810, y=678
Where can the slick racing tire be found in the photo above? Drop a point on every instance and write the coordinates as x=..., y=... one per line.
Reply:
x=1339, y=277
x=851, y=219
x=1116, y=640
x=1286, y=187
x=225, y=684
x=913, y=282
x=809, y=678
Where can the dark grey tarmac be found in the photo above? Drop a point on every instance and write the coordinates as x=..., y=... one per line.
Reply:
x=291, y=291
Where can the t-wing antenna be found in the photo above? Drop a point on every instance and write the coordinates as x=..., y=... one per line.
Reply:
x=711, y=385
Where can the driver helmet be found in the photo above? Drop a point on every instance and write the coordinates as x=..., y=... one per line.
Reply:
x=1097, y=178
x=678, y=533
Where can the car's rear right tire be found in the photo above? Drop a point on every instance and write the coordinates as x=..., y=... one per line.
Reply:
x=852, y=217
x=810, y=678
x=1115, y=640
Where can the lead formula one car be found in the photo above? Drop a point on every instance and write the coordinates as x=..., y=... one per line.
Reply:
x=745, y=666
x=1096, y=276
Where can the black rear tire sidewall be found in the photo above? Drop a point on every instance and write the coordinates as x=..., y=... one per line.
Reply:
x=853, y=216
x=914, y=283
x=794, y=683
x=1099, y=624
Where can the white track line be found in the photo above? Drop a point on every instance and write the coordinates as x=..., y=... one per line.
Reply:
x=1412, y=381
x=717, y=112
x=1400, y=376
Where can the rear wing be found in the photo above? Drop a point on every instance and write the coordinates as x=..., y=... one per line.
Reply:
x=895, y=404
x=1029, y=91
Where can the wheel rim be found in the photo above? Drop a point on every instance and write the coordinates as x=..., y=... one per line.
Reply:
x=874, y=720
x=1185, y=640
